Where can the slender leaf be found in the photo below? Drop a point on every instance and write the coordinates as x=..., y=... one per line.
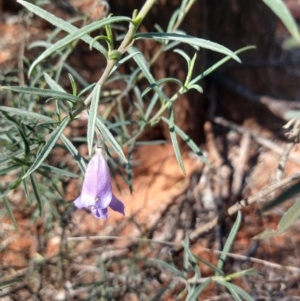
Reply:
x=231, y=289
x=235, y=291
x=188, y=40
x=9, y=211
x=287, y=194
x=163, y=81
x=21, y=133
x=189, y=142
x=25, y=113
x=183, y=54
x=240, y=274
x=46, y=93
x=229, y=241
x=168, y=266
x=151, y=106
x=198, y=290
x=189, y=258
x=174, y=139
x=282, y=12
x=110, y=138
x=214, y=268
x=58, y=171
x=218, y=64
x=5, y=170
x=60, y=23
x=47, y=148
x=25, y=185
x=143, y=65
x=78, y=33
x=93, y=112
x=123, y=60
x=240, y=291
x=288, y=219
x=53, y=84
x=36, y=193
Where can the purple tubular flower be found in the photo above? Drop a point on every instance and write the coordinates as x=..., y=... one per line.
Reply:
x=96, y=190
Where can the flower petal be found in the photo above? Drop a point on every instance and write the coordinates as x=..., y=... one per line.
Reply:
x=78, y=203
x=99, y=213
x=97, y=184
x=117, y=205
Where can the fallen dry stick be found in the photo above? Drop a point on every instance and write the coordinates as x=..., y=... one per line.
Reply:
x=242, y=204
x=260, y=140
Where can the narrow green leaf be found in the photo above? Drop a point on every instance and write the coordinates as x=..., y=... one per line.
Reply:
x=282, y=12
x=36, y=193
x=47, y=148
x=183, y=54
x=218, y=64
x=173, y=19
x=46, y=93
x=161, y=82
x=21, y=133
x=74, y=152
x=76, y=75
x=240, y=291
x=141, y=114
x=188, y=40
x=73, y=84
x=174, y=139
x=231, y=289
x=265, y=234
x=214, y=268
x=198, y=290
x=77, y=34
x=60, y=23
x=229, y=241
x=93, y=112
x=25, y=113
x=151, y=106
x=240, y=274
x=186, y=255
x=168, y=266
x=53, y=84
x=10, y=212
x=189, y=258
x=170, y=46
x=123, y=60
x=141, y=62
x=6, y=159
x=153, y=142
x=25, y=185
x=5, y=170
x=58, y=171
x=189, y=142
x=288, y=219
x=110, y=138
x=196, y=87
x=287, y=194
x=138, y=95
x=236, y=291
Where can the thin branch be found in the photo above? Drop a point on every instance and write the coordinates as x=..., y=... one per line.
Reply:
x=242, y=204
x=260, y=140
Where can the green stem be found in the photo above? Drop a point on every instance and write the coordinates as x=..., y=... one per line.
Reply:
x=183, y=14
x=123, y=47
x=165, y=106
